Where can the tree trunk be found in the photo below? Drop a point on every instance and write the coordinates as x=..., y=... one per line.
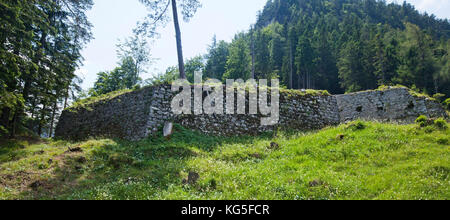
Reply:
x=50, y=132
x=6, y=113
x=291, y=64
x=178, y=36
x=253, y=55
x=41, y=120
x=66, y=98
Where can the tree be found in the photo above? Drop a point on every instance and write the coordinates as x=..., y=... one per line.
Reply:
x=344, y=45
x=216, y=59
x=158, y=14
x=239, y=60
x=305, y=62
x=351, y=68
x=419, y=65
x=120, y=78
x=167, y=77
x=193, y=65
x=40, y=49
x=138, y=50
x=386, y=60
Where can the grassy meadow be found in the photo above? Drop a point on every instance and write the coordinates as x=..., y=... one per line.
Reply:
x=359, y=160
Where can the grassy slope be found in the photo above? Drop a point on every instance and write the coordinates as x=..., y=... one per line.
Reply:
x=381, y=161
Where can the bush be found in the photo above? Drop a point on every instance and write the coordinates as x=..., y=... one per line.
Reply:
x=442, y=141
x=439, y=97
x=423, y=121
x=441, y=124
x=356, y=125
x=429, y=129
x=118, y=160
x=421, y=118
x=3, y=132
x=447, y=104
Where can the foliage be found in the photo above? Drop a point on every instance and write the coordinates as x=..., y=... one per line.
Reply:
x=447, y=104
x=441, y=124
x=40, y=49
x=237, y=66
x=356, y=125
x=439, y=97
x=340, y=46
x=193, y=65
x=120, y=78
x=85, y=103
x=425, y=122
x=135, y=50
x=158, y=15
x=421, y=119
x=382, y=161
x=216, y=59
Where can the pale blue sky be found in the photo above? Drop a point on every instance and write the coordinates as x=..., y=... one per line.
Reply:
x=115, y=19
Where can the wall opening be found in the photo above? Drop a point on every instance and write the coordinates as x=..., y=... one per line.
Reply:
x=359, y=109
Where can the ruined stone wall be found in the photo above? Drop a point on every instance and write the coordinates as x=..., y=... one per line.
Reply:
x=125, y=116
x=140, y=114
x=299, y=111
x=392, y=105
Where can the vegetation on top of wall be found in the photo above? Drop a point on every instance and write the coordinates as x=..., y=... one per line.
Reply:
x=307, y=92
x=85, y=103
x=411, y=91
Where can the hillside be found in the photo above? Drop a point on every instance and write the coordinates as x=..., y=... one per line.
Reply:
x=340, y=46
x=359, y=160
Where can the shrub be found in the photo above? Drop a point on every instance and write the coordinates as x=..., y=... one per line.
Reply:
x=447, y=104
x=118, y=160
x=421, y=118
x=439, y=97
x=423, y=121
x=3, y=132
x=429, y=129
x=442, y=141
x=356, y=125
x=441, y=124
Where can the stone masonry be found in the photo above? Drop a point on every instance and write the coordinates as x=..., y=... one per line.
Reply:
x=142, y=113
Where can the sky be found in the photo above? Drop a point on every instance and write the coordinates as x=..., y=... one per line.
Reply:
x=114, y=20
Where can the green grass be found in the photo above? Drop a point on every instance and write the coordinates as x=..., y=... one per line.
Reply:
x=87, y=102
x=360, y=160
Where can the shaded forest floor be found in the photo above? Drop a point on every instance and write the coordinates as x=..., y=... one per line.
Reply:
x=359, y=160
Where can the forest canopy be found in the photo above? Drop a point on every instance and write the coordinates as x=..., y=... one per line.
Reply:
x=340, y=46
x=40, y=44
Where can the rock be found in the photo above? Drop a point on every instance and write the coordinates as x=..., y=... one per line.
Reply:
x=81, y=160
x=256, y=155
x=274, y=146
x=168, y=129
x=76, y=149
x=192, y=178
x=36, y=184
x=340, y=137
x=315, y=183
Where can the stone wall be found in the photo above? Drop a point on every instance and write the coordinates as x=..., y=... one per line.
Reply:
x=391, y=105
x=140, y=114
